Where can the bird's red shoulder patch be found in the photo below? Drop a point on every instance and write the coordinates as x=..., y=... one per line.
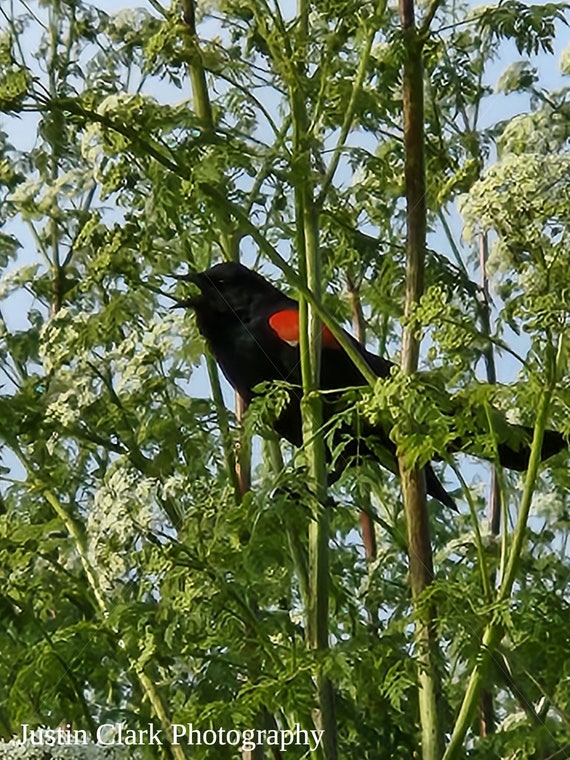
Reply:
x=285, y=324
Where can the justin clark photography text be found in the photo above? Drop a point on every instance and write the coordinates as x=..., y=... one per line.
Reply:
x=112, y=734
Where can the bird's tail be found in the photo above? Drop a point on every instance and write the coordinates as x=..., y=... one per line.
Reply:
x=434, y=488
x=516, y=456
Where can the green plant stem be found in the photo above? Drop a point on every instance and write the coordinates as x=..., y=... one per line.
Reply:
x=493, y=632
x=428, y=18
x=364, y=501
x=413, y=486
x=53, y=138
x=223, y=424
x=153, y=148
x=484, y=309
x=75, y=530
x=310, y=329
x=351, y=106
x=453, y=245
x=298, y=550
x=203, y=107
x=534, y=463
x=238, y=466
x=197, y=74
x=421, y=575
x=483, y=567
x=496, y=500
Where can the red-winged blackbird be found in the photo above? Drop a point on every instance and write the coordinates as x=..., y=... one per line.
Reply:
x=252, y=329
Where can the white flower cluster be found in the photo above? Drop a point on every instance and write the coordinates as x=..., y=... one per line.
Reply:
x=110, y=525
x=68, y=406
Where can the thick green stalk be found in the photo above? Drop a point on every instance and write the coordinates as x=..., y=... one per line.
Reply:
x=534, y=463
x=310, y=329
x=239, y=467
x=413, y=485
x=75, y=530
x=311, y=408
x=203, y=106
x=197, y=74
x=319, y=529
x=421, y=576
x=494, y=632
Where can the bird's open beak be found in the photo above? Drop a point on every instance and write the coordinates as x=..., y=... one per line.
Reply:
x=192, y=301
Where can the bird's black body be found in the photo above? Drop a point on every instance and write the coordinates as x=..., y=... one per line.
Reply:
x=244, y=319
x=234, y=318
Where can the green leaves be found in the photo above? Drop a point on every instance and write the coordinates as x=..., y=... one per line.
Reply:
x=15, y=80
x=532, y=27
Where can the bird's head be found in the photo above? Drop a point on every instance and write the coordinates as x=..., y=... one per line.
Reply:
x=229, y=289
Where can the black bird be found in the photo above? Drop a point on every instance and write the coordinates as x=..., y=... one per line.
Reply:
x=252, y=329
